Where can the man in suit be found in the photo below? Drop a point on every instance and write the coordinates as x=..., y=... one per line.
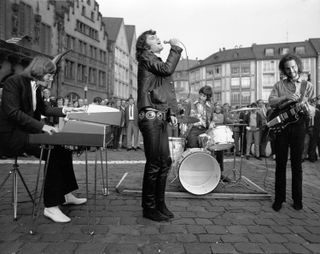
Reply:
x=20, y=115
x=131, y=121
x=46, y=98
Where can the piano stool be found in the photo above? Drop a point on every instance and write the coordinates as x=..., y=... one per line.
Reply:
x=15, y=173
x=105, y=189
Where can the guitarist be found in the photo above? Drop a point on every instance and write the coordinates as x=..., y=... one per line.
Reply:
x=291, y=89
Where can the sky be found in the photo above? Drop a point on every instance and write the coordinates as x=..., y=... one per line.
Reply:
x=205, y=26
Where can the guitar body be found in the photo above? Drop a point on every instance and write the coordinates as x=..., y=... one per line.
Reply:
x=286, y=116
x=281, y=117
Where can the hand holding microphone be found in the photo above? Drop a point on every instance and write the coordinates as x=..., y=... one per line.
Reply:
x=172, y=42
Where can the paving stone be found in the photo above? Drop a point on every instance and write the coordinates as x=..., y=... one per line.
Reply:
x=184, y=221
x=32, y=248
x=203, y=221
x=220, y=248
x=311, y=238
x=61, y=248
x=10, y=247
x=314, y=248
x=172, y=229
x=259, y=229
x=257, y=238
x=276, y=238
x=187, y=238
x=123, y=229
x=209, y=238
x=273, y=248
x=234, y=238
x=92, y=248
x=213, y=229
x=248, y=248
x=296, y=248
x=195, y=229
x=197, y=248
x=122, y=248
x=280, y=229
x=237, y=229
x=168, y=248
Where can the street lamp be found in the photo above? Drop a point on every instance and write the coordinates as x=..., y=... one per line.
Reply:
x=85, y=94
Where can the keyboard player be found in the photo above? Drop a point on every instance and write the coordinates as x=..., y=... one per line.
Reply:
x=22, y=106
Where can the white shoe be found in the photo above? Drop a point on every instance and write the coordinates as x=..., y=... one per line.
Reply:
x=55, y=214
x=72, y=200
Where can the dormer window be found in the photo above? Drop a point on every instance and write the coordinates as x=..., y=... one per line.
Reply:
x=301, y=50
x=269, y=52
x=284, y=51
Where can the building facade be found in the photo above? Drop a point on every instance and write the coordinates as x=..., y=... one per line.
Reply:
x=240, y=76
x=119, y=55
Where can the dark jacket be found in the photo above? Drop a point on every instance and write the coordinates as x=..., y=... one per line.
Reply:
x=155, y=85
x=17, y=118
x=135, y=115
x=259, y=119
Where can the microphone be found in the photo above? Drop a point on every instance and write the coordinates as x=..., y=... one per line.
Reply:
x=166, y=42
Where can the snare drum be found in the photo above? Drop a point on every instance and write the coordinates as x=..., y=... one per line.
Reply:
x=199, y=172
x=221, y=138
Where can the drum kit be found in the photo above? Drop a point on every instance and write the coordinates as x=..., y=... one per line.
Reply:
x=198, y=171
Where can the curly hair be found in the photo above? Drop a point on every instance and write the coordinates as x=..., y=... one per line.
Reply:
x=141, y=44
x=40, y=66
x=287, y=58
x=207, y=91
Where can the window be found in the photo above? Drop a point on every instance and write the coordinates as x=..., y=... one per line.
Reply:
x=87, y=30
x=92, y=75
x=82, y=47
x=284, y=51
x=269, y=52
x=235, y=82
x=306, y=64
x=217, y=96
x=45, y=39
x=268, y=66
x=235, y=98
x=209, y=73
x=235, y=69
x=268, y=80
x=70, y=41
x=245, y=68
x=69, y=69
x=102, y=79
x=245, y=82
x=301, y=50
x=217, y=70
x=245, y=97
x=81, y=73
x=217, y=84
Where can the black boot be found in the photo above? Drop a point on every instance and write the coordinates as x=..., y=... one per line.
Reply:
x=154, y=214
x=160, y=196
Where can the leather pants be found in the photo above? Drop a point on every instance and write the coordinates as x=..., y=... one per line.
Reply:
x=158, y=161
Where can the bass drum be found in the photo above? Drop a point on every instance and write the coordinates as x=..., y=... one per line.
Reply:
x=199, y=172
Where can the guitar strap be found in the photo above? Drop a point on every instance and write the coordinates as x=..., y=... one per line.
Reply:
x=303, y=89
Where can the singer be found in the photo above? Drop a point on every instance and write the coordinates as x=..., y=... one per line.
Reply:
x=157, y=105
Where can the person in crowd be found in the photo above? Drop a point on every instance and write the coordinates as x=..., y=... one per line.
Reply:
x=97, y=100
x=291, y=88
x=123, y=137
x=131, y=124
x=22, y=106
x=254, y=121
x=50, y=103
x=264, y=137
x=157, y=104
x=66, y=102
x=80, y=102
x=117, y=129
x=231, y=117
x=311, y=137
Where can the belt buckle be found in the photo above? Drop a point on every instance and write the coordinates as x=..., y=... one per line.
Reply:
x=150, y=115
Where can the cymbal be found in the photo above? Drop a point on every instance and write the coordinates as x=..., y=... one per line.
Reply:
x=243, y=109
x=187, y=119
x=236, y=124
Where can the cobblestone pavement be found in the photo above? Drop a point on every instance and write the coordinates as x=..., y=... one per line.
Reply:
x=201, y=225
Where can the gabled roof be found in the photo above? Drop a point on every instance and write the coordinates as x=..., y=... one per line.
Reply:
x=112, y=26
x=185, y=64
x=259, y=50
x=316, y=44
x=228, y=55
x=130, y=30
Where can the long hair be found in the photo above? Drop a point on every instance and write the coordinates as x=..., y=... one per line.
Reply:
x=289, y=57
x=207, y=91
x=141, y=44
x=40, y=66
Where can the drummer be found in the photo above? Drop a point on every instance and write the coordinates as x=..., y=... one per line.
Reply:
x=202, y=109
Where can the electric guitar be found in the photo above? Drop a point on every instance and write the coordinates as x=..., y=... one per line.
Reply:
x=288, y=113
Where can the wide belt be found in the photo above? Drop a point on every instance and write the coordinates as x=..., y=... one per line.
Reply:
x=152, y=115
